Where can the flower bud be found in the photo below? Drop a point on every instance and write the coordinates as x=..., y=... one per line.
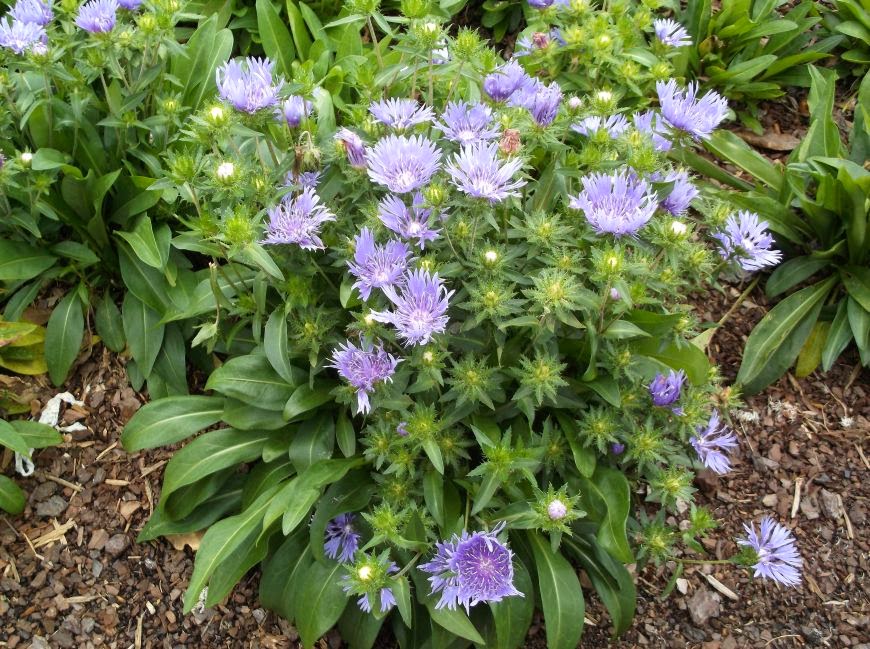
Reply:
x=466, y=47
x=614, y=294
x=401, y=429
x=364, y=573
x=428, y=356
x=678, y=228
x=147, y=23
x=26, y=158
x=575, y=103
x=556, y=510
x=226, y=172
x=490, y=257
x=510, y=141
x=435, y=194
x=414, y=8
x=216, y=116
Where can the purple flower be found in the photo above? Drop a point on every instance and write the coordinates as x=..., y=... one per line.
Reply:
x=648, y=122
x=388, y=601
x=617, y=448
x=746, y=240
x=97, y=16
x=342, y=539
x=408, y=222
x=544, y=103
x=665, y=390
x=403, y=164
x=293, y=110
x=402, y=429
x=476, y=171
x=711, y=442
x=617, y=204
x=470, y=569
x=353, y=147
x=376, y=266
x=248, y=86
x=506, y=80
x=297, y=219
x=362, y=367
x=130, y=5
x=615, y=125
x=682, y=194
x=681, y=110
x=400, y=114
x=540, y=4
x=467, y=123
x=32, y=11
x=419, y=307
x=774, y=545
x=671, y=33
x=556, y=510
x=302, y=179
x=20, y=37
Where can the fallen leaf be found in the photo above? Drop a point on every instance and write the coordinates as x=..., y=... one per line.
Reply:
x=191, y=539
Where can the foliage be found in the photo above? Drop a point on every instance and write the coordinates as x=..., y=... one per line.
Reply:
x=22, y=438
x=849, y=20
x=819, y=207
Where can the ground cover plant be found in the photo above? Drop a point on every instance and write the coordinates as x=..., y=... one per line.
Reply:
x=439, y=303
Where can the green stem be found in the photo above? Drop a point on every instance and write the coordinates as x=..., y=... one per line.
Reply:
x=409, y=565
x=375, y=43
x=739, y=301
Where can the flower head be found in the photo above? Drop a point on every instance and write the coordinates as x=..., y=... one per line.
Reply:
x=506, y=80
x=363, y=367
x=540, y=4
x=697, y=117
x=353, y=146
x=408, y=222
x=97, y=16
x=297, y=219
x=682, y=194
x=302, y=179
x=130, y=5
x=746, y=240
x=470, y=569
x=376, y=266
x=32, y=11
x=477, y=171
x=400, y=114
x=419, y=307
x=777, y=555
x=617, y=204
x=711, y=442
x=248, y=85
x=342, y=538
x=20, y=37
x=649, y=122
x=665, y=390
x=467, y=123
x=671, y=33
x=615, y=125
x=403, y=164
x=543, y=102
x=370, y=579
x=293, y=110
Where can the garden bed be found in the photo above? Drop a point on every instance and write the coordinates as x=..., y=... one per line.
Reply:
x=91, y=585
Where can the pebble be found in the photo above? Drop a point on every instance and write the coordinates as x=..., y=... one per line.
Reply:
x=703, y=605
x=116, y=545
x=830, y=504
x=51, y=508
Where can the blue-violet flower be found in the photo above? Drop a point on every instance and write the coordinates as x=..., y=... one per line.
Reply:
x=618, y=204
x=671, y=33
x=697, y=117
x=746, y=240
x=403, y=164
x=774, y=545
x=298, y=219
x=342, y=538
x=477, y=171
x=97, y=16
x=400, y=114
x=408, y=222
x=419, y=307
x=363, y=367
x=711, y=442
x=376, y=266
x=467, y=123
x=248, y=86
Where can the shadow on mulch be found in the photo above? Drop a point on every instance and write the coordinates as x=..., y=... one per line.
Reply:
x=71, y=574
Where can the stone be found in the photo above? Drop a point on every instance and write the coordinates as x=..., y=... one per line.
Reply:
x=116, y=545
x=51, y=508
x=703, y=605
x=830, y=504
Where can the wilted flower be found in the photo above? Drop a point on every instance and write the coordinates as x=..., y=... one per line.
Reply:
x=408, y=222
x=467, y=123
x=403, y=164
x=20, y=37
x=746, y=240
x=419, y=307
x=293, y=110
x=298, y=219
x=470, y=569
x=615, y=125
x=97, y=16
x=665, y=390
x=711, y=442
x=649, y=122
x=376, y=266
x=477, y=171
x=681, y=110
x=776, y=551
x=671, y=33
x=617, y=204
x=32, y=11
x=353, y=146
x=506, y=80
x=682, y=194
x=363, y=367
x=400, y=113
x=342, y=538
x=510, y=141
x=248, y=86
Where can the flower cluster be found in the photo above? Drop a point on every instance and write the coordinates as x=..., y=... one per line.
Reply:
x=23, y=29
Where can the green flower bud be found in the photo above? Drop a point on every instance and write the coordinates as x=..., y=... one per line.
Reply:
x=238, y=230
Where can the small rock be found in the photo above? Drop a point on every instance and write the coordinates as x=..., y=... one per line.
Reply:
x=729, y=643
x=88, y=624
x=830, y=505
x=51, y=508
x=98, y=540
x=39, y=643
x=116, y=545
x=44, y=491
x=810, y=507
x=703, y=605
x=770, y=500
x=259, y=615
x=682, y=585
x=775, y=453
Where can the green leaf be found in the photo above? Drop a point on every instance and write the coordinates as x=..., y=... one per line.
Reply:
x=455, y=621
x=240, y=415
x=792, y=273
x=19, y=261
x=12, y=439
x=324, y=601
x=345, y=434
x=608, y=498
x=36, y=435
x=433, y=452
x=305, y=399
x=276, y=345
x=150, y=246
x=358, y=629
x=623, y=329
x=211, y=452
x=687, y=357
x=859, y=321
x=776, y=341
x=12, y=499
x=170, y=420
x=857, y=283
x=274, y=37
x=402, y=592
x=146, y=283
x=203, y=516
x=63, y=337
x=729, y=146
x=231, y=569
x=839, y=337
x=313, y=441
x=513, y=615
x=561, y=595
x=350, y=494
x=299, y=29
x=195, y=69
x=281, y=573
x=811, y=353
x=433, y=494
x=143, y=331
x=76, y=251
x=251, y=379
x=109, y=325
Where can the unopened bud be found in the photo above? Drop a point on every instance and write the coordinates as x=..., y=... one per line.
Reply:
x=490, y=257
x=217, y=116
x=226, y=171
x=575, y=103
x=364, y=573
x=26, y=158
x=678, y=228
x=510, y=141
x=556, y=510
